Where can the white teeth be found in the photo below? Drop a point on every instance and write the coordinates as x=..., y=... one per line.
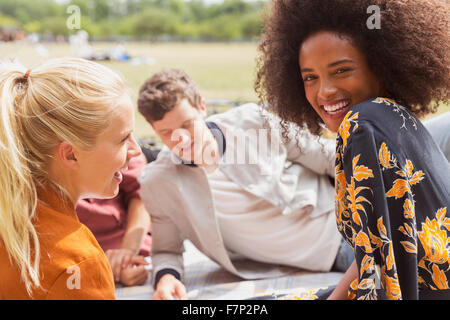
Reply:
x=334, y=107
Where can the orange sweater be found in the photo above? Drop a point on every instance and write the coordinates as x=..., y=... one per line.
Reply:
x=72, y=264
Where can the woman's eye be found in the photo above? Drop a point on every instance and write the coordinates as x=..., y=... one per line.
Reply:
x=125, y=139
x=342, y=70
x=308, y=78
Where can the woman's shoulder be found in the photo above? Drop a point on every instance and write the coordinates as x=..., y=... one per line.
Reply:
x=385, y=114
x=381, y=118
x=69, y=249
x=62, y=265
x=65, y=237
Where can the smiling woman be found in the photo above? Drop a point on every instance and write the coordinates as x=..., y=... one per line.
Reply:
x=113, y=149
x=408, y=55
x=336, y=76
x=321, y=64
x=65, y=134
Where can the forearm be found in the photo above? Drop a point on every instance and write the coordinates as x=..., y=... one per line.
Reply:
x=166, y=259
x=138, y=224
x=314, y=153
x=341, y=291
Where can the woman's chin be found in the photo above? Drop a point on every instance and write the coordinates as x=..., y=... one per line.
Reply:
x=333, y=127
x=115, y=192
x=107, y=194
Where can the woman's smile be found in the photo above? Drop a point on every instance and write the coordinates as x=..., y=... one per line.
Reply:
x=336, y=109
x=335, y=75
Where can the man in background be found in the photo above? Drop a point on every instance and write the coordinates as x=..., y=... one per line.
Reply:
x=255, y=203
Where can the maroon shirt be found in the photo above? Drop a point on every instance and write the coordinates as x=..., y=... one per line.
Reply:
x=107, y=218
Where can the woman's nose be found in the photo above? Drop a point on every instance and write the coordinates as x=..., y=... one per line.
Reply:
x=134, y=150
x=327, y=90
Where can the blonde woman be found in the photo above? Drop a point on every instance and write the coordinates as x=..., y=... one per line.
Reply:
x=65, y=134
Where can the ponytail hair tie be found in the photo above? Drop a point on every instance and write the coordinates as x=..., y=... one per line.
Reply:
x=25, y=77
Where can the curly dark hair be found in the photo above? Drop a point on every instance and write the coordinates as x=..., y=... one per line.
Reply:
x=409, y=54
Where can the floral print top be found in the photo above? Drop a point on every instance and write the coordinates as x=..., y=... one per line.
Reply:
x=392, y=203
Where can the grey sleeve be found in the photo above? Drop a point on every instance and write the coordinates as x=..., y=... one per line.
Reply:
x=167, y=239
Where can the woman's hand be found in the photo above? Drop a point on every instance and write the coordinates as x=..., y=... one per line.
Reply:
x=341, y=290
x=119, y=259
x=136, y=273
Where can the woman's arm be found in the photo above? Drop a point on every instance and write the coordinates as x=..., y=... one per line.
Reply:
x=341, y=291
x=138, y=224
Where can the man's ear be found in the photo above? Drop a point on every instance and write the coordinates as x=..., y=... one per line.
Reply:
x=66, y=154
x=203, y=109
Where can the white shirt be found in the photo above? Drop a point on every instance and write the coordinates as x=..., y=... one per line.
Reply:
x=254, y=228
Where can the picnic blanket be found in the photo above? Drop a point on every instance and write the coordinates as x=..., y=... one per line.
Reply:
x=206, y=280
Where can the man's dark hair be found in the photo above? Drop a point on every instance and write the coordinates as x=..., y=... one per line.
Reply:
x=163, y=91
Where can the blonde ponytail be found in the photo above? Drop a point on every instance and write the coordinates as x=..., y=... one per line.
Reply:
x=65, y=99
x=18, y=194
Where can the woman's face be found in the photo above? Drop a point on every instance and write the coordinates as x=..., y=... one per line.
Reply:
x=335, y=75
x=101, y=167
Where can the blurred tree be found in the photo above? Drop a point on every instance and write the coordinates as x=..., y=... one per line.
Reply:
x=154, y=22
x=223, y=27
x=6, y=21
x=198, y=10
x=55, y=26
x=194, y=19
x=101, y=9
x=251, y=24
x=27, y=10
x=229, y=7
x=181, y=9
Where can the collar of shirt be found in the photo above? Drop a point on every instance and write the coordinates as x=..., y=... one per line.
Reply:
x=218, y=135
x=51, y=198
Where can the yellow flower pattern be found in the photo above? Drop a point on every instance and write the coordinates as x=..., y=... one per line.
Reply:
x=376, y=212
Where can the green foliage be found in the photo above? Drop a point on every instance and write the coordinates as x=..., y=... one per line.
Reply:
x=55, y=25
x=154, y=22
x=142, y=19
x=6, y=21
x=251, y=23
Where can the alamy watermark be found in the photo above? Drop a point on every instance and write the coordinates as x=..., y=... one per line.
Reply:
x=73, y=22
x=238, y=146
x=374, y=21
x=74, y=280
x=253, y=146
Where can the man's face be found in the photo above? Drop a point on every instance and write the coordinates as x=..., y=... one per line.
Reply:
x=183, y=130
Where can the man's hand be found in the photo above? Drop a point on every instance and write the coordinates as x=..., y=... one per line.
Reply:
x=119, y=259
x=135, y=274
x=168, y=288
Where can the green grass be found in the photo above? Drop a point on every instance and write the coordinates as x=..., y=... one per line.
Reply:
x=221, y=70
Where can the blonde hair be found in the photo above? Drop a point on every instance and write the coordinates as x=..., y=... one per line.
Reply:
x=65, y=99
